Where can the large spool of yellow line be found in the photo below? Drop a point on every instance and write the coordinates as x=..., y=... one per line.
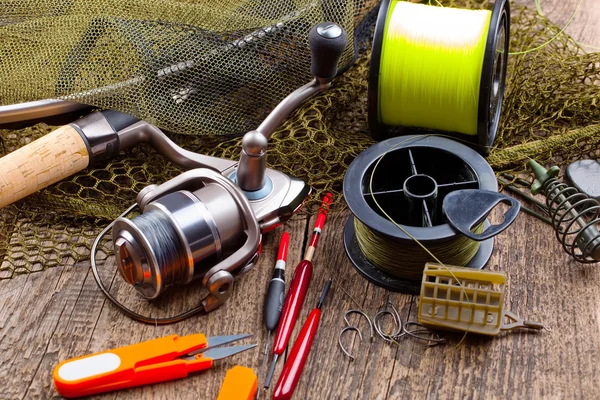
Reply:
x=438, y=68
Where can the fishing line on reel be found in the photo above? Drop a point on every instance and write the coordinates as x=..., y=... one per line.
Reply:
x=123, y=308
x=453, y=247
x=391, y=219
x=406, y=259
x=438, y=68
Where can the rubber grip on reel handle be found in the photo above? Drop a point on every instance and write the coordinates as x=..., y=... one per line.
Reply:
x=327, y=42
x=51, y=158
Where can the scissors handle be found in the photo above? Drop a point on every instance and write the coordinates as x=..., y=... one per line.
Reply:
x=153, y=361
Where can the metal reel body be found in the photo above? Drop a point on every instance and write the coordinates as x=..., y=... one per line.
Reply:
x=199, y=227
x=412, y=178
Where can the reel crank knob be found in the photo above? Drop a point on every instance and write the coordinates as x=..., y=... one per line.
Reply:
x=327, y=41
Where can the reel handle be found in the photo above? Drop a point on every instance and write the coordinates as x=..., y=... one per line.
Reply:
x=327, y=41
x=49, y=159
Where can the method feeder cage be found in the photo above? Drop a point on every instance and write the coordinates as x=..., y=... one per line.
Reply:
x=575, y=216
x=463, y=299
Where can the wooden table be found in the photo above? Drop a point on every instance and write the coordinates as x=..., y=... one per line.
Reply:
x=58, y=314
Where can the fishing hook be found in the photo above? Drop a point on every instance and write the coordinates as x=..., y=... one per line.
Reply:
x=431, y=337
x=388, y=337
x=350, y=327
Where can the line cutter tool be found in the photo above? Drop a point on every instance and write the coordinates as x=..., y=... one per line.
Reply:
x=153, y=361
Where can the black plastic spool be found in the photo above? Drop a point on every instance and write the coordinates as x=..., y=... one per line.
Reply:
x=452, y=165
x=491, y=89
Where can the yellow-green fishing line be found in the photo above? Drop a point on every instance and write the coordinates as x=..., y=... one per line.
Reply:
x=431, y=64
x=407, y=260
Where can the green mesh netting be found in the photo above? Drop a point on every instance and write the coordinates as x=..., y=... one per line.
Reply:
x=191, y=66
x=551, y=110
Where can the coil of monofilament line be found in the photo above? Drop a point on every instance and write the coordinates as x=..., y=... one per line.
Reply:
x=396, y=191
x=438, y=68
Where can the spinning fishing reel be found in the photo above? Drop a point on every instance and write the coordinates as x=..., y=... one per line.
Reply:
x=207, y=222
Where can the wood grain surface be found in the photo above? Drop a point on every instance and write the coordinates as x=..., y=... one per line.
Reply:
x=59, y=314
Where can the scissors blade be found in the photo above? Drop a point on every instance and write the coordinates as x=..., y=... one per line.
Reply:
x=223, y=352
x=217, y=341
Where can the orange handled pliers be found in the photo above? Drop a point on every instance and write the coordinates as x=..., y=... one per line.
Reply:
x=158, y=360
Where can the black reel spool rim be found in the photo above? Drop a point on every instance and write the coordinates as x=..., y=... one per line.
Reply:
x=491, y=89
x=376, y=128
x=493, y=75
x=356, y=193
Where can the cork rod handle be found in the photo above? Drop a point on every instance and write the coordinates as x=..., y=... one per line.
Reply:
x=53, y=157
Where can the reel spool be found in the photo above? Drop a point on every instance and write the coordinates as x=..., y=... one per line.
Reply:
x=200, y=227
x=414, y=175
x=438, y=68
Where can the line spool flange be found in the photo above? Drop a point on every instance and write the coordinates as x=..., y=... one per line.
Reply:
x=452, y=165
x=491, y=85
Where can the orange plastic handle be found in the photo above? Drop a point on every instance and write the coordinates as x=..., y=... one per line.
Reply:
x=240, y=383
x=139, y=364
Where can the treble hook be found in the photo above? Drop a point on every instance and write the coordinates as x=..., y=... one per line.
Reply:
x=350, y=327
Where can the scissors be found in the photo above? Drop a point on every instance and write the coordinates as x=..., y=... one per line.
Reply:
x=158, y=360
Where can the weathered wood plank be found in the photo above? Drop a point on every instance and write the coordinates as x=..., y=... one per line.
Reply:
x=542, y=286
x=58, y=314
x=584, y=28
x=93, y=324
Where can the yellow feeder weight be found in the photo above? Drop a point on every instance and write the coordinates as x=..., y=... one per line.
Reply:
x=464, y=299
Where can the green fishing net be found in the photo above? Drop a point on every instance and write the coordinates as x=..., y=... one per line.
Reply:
x=207, y=71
